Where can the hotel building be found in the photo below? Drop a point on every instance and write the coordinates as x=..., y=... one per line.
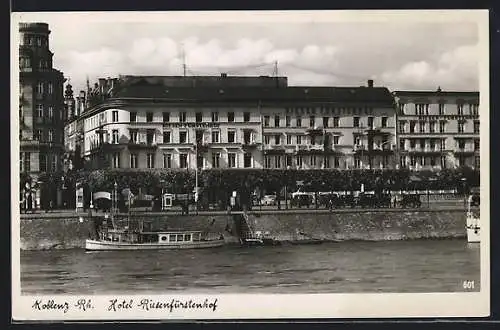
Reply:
x=41, y=111
x=438, y=129
x=235, y=122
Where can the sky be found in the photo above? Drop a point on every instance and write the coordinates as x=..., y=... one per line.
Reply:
x=401, y=55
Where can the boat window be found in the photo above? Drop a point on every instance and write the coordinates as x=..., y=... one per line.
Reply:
x=180, y=238
x=196, y=237
x=187, y=237
x=172, y=238
x=164, y=238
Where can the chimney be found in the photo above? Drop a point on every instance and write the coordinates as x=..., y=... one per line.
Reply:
x=223, y=75
x=370, y=83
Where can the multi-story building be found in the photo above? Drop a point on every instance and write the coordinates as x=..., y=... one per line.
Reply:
x=248, y=122
x=438, y=129
x=41, y=111
x=329, y=127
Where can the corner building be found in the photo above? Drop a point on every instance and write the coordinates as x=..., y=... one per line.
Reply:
x=41, y=112
x=438, y=129
x=248, y=122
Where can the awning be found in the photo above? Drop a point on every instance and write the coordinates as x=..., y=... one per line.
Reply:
x=101, y=194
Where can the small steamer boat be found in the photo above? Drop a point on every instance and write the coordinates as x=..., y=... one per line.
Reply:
x=113, y=240
x=473, y=224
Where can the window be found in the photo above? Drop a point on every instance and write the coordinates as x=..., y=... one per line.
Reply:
x=133, y=160
x=288, y=121
x=402, y=108
x=114, y=116
x=150, y=136
x=476, y=127
x=215, y=116
x=266, y=121
x=325, y=121
x=267, y=139
x=298, y=121
x=474, y=109
x=412, y=144
x=215, y=136
x=39, y=89
x=230, y=117
x=133, y=136
x=231, y=136
x=443, y=161
x=442, y=145
x=313, y=160
x=182, y=117
x=299, y=139
x=166, y=137
x=37, y=135
x=116, y=160
x=276, y=121
x=183, y=160
x=115, y=136
x=312, y=121
x=355, y=122
x=335, y=139
x=421, y=109
x=167, y=161
x=299, y=161
x=166, y=117
x=216, y=160
x=133, y=116
x=53, y=165
x=442, y=127
x=441, y=109
x=51, y=112
x=25, y=62
x=326, y=162
x=412, y=126
x=422, y=144
x=370, y=122
x=199, y=117
x=149, y=117
x=432, y=145
x=247, y=160
x=288, y=139
x=476, y=144
x=42, y=160
x=51, y=135
x=460, y=109
x=50, y=88
x=246, y=117
x=336, y=121
x=25, y=161
x=277, y=139
x=277, y=162
x=182, y=137
x=432, y=127
x=231, y=160
x=401, y=127
x=267, y=162
x=150, y=160
x=39, y=110
x=384, y=121
x=460, y=126
x=421, y=126
x=402, y=144
x=247, y=137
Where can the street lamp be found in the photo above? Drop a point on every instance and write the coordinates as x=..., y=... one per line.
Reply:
x=162, y=182
x=116, y=197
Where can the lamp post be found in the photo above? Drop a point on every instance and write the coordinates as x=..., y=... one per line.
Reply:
x=162, y=182
x=115, y=197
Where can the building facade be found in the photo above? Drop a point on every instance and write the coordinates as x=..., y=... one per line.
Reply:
x=251, y=122
x=438, y=129
x=41, y=112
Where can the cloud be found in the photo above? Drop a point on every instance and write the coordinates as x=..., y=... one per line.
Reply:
x=456, y=69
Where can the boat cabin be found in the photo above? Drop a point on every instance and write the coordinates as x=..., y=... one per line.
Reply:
x=152, y=237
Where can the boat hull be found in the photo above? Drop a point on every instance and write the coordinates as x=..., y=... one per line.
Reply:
x=95, y=245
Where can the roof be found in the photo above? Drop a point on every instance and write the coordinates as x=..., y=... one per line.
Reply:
x=296, y=93
x=437, y=93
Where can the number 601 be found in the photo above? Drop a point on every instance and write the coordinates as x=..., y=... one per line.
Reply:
x=468, y=285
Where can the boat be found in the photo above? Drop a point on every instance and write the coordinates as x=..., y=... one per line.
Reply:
x=473, y=224
x=259, y=239
x=113, y=237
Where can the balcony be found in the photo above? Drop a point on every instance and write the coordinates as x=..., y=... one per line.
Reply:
x=274, y=149
x=314, y=131
x=464, y=151
x=142, y=145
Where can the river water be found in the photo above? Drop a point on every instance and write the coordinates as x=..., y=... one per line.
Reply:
x=390, y=266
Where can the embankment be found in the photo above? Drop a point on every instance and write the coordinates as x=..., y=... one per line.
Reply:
x=59, y=231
